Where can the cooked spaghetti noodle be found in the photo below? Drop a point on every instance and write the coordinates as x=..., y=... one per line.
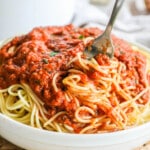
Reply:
x=47, y=82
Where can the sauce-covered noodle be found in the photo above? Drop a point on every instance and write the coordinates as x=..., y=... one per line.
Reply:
x=48, y=83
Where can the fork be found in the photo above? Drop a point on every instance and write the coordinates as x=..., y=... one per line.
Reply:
x=103, y=43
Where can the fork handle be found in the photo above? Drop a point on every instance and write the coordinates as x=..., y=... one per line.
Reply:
x=116, y=8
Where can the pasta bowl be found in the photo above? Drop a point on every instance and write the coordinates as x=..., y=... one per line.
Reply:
x=31, y=138
x=63, y=101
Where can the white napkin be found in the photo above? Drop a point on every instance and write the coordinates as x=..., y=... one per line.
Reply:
x=133, y=28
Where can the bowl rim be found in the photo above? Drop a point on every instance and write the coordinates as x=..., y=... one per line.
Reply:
x=58, y=138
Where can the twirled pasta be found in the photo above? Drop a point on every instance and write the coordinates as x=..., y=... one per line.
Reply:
x=63, y=91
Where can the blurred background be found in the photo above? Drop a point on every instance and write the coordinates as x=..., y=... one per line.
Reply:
x=20, y=16
x=132, y=23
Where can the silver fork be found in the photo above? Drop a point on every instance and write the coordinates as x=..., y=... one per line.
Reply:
x=103, y=43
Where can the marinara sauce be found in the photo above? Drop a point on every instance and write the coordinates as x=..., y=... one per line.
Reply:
x=34, y=58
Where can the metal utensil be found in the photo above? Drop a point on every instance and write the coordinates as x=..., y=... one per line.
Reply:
x=103, y=43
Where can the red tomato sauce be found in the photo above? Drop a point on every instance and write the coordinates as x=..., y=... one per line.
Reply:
x=38, y=55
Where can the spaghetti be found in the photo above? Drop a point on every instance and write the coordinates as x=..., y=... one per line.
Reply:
x=47, y=82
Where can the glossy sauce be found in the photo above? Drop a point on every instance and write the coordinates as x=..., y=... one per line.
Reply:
x=34, y=58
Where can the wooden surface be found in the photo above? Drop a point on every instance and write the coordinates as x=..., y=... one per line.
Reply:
x=5, y=145
x=145, y=146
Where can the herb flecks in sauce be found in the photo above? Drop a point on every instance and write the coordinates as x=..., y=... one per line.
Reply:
x=53, y=53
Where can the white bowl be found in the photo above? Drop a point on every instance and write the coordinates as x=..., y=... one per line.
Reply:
x=37, y=139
